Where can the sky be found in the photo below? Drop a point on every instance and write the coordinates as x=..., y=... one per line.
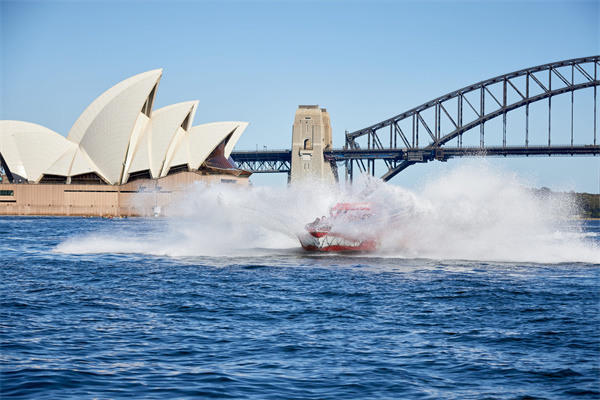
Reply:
x=256, y=61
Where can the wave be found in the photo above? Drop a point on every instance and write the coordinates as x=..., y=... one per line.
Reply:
x=471, y=212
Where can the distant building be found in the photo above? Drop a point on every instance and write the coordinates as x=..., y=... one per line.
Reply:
x=311, y=135
x=119, y=144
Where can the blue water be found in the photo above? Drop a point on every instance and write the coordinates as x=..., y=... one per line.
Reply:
x=283, y=324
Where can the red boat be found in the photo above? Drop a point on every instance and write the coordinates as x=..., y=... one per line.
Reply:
x=347, y=228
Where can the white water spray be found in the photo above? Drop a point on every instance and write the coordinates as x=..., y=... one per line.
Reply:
x=473, y=212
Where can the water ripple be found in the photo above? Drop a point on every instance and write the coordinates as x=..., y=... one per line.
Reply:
x=285, y=326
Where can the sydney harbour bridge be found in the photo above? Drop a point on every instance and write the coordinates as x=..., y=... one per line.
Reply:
x=500, y=116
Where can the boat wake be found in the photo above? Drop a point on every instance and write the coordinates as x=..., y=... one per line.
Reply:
x=472, y=212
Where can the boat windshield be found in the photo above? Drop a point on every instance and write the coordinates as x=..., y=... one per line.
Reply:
x=351, y=210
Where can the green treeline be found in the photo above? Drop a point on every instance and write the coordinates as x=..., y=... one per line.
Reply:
x=589, y=205
x=581, y=205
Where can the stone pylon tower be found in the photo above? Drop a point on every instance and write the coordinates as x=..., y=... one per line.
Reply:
x=310, y=136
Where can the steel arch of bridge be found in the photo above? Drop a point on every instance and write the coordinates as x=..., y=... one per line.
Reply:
x=526, y=86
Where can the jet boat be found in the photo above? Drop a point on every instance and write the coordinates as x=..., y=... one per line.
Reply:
x=345, y=229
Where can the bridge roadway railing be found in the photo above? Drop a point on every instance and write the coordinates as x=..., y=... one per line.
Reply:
x=272, y=161
x=264, y=161
x=444, y=153
x=400, y=159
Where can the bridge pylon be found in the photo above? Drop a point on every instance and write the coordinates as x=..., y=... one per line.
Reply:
x=311, y=136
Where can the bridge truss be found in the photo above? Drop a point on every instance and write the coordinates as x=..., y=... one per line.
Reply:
x=435, y=130
x=266, y=161
x=423, y=133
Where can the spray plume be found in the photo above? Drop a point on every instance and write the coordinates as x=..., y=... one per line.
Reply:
x=472, y=212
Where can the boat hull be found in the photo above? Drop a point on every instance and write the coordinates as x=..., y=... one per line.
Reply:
x=335, y=243
x=345, y=230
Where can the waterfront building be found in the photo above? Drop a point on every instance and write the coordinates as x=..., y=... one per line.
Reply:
x=118, y=152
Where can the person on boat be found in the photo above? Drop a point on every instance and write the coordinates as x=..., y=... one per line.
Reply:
x=319, y=224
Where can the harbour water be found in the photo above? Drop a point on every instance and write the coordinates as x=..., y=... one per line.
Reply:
x=486, y=294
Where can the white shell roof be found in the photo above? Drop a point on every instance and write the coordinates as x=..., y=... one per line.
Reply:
x=201, y=140
x=112, y=118
x=74, y=162
x=116, y=135
x=235, y=137
x=92, y=112
x=161, y=131
x=29, y=149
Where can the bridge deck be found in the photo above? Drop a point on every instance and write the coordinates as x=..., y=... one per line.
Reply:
x=269, y=161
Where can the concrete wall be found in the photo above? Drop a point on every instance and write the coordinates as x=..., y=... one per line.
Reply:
x=138, y=198
x=310, y=136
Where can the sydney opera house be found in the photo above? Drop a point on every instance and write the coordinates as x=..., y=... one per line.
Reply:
x=121, y=157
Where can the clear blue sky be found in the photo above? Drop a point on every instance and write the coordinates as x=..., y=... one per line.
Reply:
x=257, y=61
